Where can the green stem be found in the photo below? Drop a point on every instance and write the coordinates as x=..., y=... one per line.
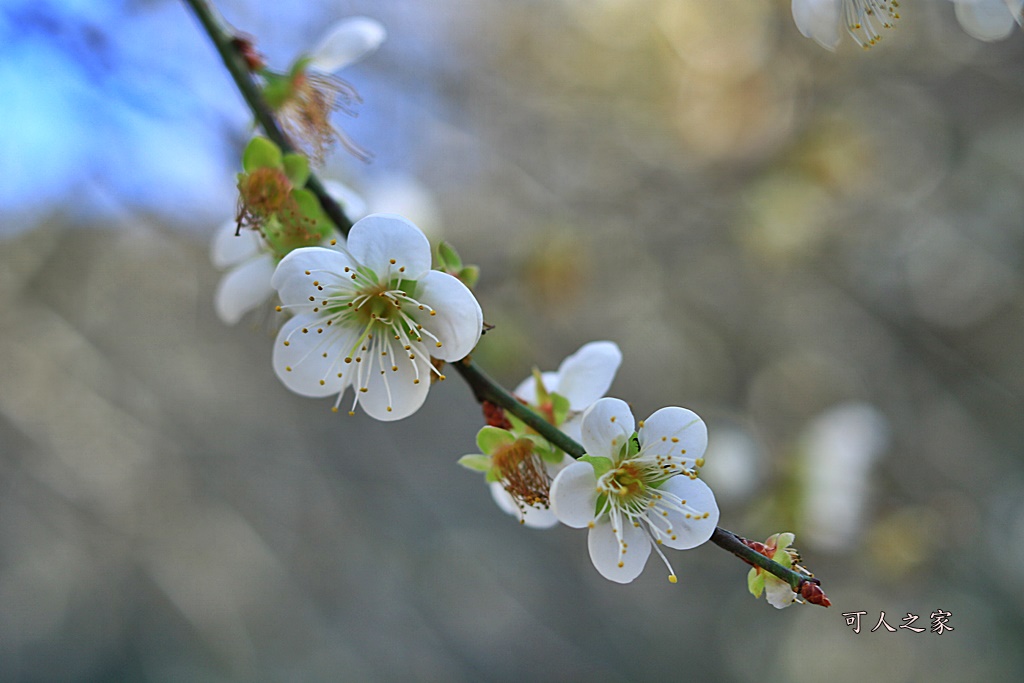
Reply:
x=484, y=388
x=223, y=39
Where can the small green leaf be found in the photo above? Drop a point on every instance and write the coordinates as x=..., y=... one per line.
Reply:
x=476, y=462
x=299, y=66
x=260, y=152
x=492, y=476
x=634, y=446
x=448, y=258
x=490, y=439
x=317, y=222
x=755, y=582
x=559, y=408
x=296, y=167
x=518, y=426
x=542, y=391
x=278, y=88
x=600, y=465
x=469, y=275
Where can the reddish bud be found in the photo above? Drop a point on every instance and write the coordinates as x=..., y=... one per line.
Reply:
x=253, y=59
x=494, y=415
x=812, y=593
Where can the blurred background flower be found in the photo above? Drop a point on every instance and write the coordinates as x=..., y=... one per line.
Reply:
x=821, y=254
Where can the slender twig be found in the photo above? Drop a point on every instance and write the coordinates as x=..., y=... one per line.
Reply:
x=223, y=39
x=484, y=388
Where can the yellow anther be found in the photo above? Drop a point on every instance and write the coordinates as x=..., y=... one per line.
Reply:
x=287, y=343
x=322, y=382
x=672, y=578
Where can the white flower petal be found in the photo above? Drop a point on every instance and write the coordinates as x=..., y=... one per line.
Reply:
x=985, y=19
x=533, y=517
x=244, y=288
x=586, y=375
x=458, y=320
x=380, y=237
x=228, y=249
x=605, y=551
x=571, y=427
x=574, y=495
x=778, y=593
x=325, y=266
x=694, y=531
x=606, y=428
x=309, y=364
x=397, y=389
x=659, y=430
x=820, y=20
x=346, y=42
x=527, y=389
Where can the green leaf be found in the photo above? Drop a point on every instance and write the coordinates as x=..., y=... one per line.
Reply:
x=559, y=408
x=755, y=582
x=600, y=465
x=299, y=66
x=278, y=88
x=476, y=462
x=492, y=476
x=448, y=258
x=310, y=207
x=260, y=152
x=518, y=426
x=490, y=439
x=469, y=275
x=296, y=167
x=634, y=446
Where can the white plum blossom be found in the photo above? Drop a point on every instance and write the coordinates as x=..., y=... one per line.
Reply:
x=989, y=20
x=637, y=491
x=777, y=592
x=582, y=378
x=370, y=316
x=825, y=20
x=306, y=97
x=250, y=260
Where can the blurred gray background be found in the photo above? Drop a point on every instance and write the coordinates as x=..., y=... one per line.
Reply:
x=819, y=253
